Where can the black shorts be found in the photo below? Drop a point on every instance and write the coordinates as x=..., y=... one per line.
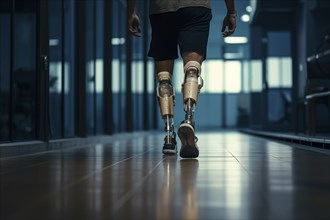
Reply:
x=187, y=28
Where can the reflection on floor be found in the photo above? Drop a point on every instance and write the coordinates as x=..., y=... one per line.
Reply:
x=237, y=176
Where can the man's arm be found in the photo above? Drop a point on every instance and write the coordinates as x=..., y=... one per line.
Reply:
x=230, y=7
x=230, y=19
x=133, y=19
x=130, y=7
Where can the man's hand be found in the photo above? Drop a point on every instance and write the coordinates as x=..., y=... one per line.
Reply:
x=230, y=22
x=134, y=25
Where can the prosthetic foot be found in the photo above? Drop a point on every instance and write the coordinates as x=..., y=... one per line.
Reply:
x=191, y=86
x=165, y=93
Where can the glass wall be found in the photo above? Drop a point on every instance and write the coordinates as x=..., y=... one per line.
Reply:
x=279, y=72
x=94, y=67
x=74, y=101
x=233, y=76
x=99, y=70
x=279, y=78
x=90, y=68
x=55, y=68
x=5, y=69
x=246, y=79
x=61, y=69
x=24, y=70
x=18, y=70
x=256, y=75
x=142, y=75
x=69, y=68
x=119, y=65
x=213, y=75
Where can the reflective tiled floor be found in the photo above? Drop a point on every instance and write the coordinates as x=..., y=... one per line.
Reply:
x=237, y=176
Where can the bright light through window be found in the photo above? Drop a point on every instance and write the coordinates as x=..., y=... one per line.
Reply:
x=279, y=72
x=233, y=76
x=178, y=75
x=115, y=75
x=212, y=73
x=90, y=76
x=151, y=76
x=256, y=75
x=117, y=41
x=99, y=75
x=287, y=72
x=55, y=74
x=137, y=77
x=273, y=73
x=246, y=77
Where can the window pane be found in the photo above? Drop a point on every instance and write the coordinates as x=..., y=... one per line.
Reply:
x=24, y=70
x=137, y=77
x=178, y=75
x=286, y=70
x=256, y=76
x=122, y=33
x=115, y=75
x=233, y=76
x=90, y=101
x=212, y=73
x=151, y=76
x=69, y=68
x=55, y=69
x=246, y=77
x=90, y=69
x=99, y=66
x=279, y=72
x=273, y=76
x=5, y=56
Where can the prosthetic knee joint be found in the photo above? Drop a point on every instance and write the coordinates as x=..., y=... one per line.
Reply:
x=165, y=93
x=191, y=87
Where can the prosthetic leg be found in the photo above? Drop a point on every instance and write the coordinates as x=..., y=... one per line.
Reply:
x=191, y=86
x=165, y=93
